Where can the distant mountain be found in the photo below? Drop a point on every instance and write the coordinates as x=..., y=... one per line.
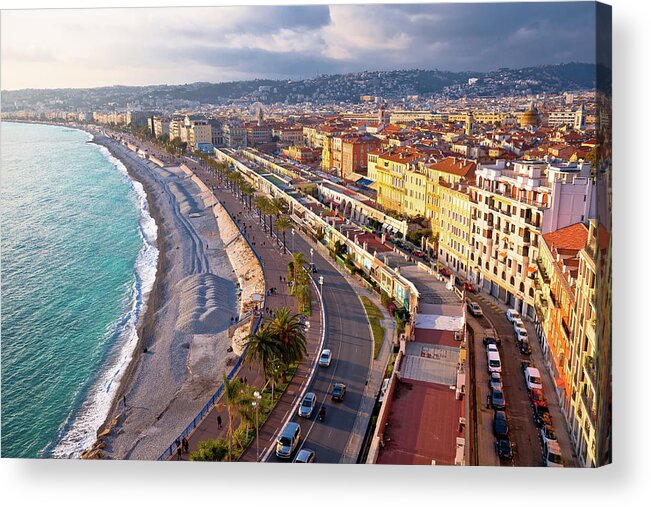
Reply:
x=322, y=89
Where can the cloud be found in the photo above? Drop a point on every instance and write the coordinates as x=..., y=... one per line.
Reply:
x=96, y=47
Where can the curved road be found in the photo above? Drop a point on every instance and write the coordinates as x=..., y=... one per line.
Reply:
x=348, y=335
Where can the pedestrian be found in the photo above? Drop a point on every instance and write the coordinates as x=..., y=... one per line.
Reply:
x=178, y=453
x=246, y=381
x=186, y=444
x=124, y=400
x=219, y=422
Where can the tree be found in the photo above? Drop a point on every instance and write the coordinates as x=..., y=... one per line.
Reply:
x=210, y=450
x=261, y=202
x=248, y=191
x=261, y=347
x=282, y=224
x=295, y=266
x=232, y=389
x=289, y=332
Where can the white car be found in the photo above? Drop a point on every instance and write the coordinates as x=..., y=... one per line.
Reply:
x=491, y=347
x=307, y=405
x=326, y=357
x=532, y=378
x=521, y=334
x=517, y=322
x=512, y=314
x=553, y=457
x=547, y=435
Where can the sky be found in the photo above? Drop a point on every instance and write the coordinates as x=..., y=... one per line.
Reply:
x=79, y=48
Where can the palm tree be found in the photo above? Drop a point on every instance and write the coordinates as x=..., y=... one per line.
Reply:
x=232, y=389
x=248, y=191
x=289, y=332
x=261, y=203
x=261, y=348
x=296, y=266
x=282, y=224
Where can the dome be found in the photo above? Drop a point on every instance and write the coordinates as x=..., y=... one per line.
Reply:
x=530, y=117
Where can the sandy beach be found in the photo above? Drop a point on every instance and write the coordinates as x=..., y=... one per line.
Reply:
x=186, y=329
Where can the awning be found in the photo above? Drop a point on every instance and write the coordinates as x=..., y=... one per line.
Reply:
x=560, y=383
x=502, y=254
x=532, y=269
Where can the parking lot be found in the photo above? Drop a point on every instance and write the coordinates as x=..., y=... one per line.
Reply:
x=523, y=433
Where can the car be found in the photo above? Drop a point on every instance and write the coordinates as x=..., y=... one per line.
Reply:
x=305, y=456
x=491, y=337
x=495, y=381
x=547, y=434
x=537, y=398
x=475, y=309
x=491, y=347
x=445, y=272
x=307, y=405
x=288, y=440
x=541, y=416
x=493, y=358
x=500, y=424
x=552, y=453
x=532, y=378
x=517, y=322
x=525, y=347
x=512, y=314
x=326, y=357
x=504, y=448
x=313, y=267
x=470, y=287
x=525, y=363
x=497, y=399
x=338, y=392
x=520, y=334
x=383, y=389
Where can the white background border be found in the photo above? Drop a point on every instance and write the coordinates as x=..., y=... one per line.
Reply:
x=627, y=481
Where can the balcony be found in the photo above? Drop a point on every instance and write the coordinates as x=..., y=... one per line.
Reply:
x=566, y=327
x=589, y=408
x=590, y=371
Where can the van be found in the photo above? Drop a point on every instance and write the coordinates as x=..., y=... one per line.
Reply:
x=288, y=440
x=532, y=378
x=553, y=457
x=494, y=363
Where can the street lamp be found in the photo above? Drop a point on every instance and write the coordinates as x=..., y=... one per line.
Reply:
x=256, y=405
x=321, y=284
x=293, y=240
x=312, y=255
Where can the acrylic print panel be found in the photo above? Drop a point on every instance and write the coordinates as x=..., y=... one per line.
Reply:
x=332, y=233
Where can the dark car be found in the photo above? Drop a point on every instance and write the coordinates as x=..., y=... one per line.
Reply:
x=504, y=448
x=500, y=424
x=525, y=348
x=541, y=416
x=338, y=392
x=524, y=364
x=497, y=399
x=492, y=338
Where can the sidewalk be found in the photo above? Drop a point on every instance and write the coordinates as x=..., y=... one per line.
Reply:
x=274, y=265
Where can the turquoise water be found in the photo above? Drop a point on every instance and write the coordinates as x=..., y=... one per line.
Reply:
x=77, y=262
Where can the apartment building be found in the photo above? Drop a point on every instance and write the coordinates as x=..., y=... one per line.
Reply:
x=454, y=226
x=512, y=206
x=391, y=169
x=161, y=126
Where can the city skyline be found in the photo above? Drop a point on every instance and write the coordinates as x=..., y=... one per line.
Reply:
x=64, y=49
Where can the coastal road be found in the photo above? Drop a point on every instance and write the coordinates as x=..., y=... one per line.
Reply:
x=348, y=335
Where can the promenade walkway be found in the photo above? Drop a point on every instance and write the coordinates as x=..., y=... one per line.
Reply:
x=274, y=264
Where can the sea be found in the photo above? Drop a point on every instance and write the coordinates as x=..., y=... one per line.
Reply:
x=78, y=260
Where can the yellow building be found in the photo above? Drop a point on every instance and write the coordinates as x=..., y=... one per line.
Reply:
x=454, y=227
x=415, y=192
x=391, y=168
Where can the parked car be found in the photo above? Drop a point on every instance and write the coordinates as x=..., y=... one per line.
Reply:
x=495, y=381
x=532, y=378
x=305, y=456
x=491, y=347
x=504, y=448
x=383, y=389
x=525, y=363
x=541, y=416
x=500, y=424
x=491, y=337
x=470, y=287
x=520, y=334
x=547, y=434
x=512, y=314
x=326, y=357
x=475, y=309
x=338, y=392
x=445, y=272
x=553, y=457
x=307, y=405
x=497, y=399
x=494, y=362
x=537, y=398
x=525, y=347
x=517, y=322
